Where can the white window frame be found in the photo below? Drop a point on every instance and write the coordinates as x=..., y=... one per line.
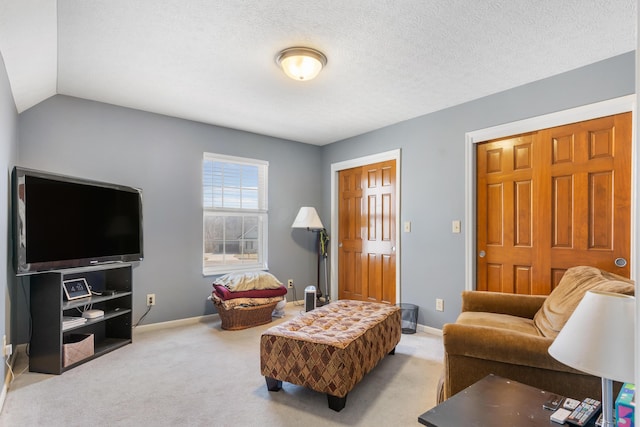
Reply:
x=261, y=263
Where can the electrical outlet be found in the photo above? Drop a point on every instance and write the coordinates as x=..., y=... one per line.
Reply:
x=151, y=299
x=439, y=304
x=290, y=283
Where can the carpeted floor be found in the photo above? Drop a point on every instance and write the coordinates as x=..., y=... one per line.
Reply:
x=199, y=375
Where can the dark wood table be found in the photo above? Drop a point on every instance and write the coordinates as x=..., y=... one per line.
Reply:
x=494, y=401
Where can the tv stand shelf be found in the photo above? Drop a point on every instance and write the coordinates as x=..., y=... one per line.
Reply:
x=107, y=315
x=48, y=307
x=95, y=299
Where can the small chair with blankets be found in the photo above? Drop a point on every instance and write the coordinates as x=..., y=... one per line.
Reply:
x=244, y=300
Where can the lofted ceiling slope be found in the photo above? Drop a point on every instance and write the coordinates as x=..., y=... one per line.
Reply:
x=212, y=61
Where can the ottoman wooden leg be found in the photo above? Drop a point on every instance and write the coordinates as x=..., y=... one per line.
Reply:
x=392, y=352
x=273, y=384
x=336, y=403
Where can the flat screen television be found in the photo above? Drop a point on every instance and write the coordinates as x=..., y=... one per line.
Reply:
x=62, y=222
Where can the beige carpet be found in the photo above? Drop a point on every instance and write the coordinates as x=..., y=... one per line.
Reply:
x=200, y=375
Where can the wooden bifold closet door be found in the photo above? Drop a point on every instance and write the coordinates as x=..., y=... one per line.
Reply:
x=553, y=199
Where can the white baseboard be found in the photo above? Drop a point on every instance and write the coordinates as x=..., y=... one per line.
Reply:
x=7, y=380
x=174, y=323
x=183, y=322
x=3, y=394
x=429, y=330
x=210, y=317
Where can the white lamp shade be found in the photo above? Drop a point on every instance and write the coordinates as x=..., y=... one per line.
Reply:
x=307, y=218
x=599, y=337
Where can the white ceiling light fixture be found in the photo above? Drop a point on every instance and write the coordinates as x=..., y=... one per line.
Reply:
x=301, y=63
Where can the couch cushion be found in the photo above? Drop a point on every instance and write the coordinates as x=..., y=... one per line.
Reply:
x=498, y=320
x=564, y=299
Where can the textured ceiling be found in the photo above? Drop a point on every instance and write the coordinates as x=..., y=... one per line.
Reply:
x=212, y=61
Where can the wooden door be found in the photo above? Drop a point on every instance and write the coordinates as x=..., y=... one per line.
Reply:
x=350, y=217
x=367, y=233
x=588, y=195
x=505, y=216
x=551, y=200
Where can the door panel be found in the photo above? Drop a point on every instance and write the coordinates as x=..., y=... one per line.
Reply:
x=366, y=248
x=553, y=199
x=505, y=215
x=591, y=207
x=350, y=284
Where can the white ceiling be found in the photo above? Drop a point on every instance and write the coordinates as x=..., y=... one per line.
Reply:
x=212, y=61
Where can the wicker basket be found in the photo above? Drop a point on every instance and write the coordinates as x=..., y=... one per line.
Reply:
x=244, y=317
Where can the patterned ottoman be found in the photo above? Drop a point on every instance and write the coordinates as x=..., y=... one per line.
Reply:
x=331, y=348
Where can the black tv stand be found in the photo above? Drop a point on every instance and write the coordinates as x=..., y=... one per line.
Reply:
x=48, y=307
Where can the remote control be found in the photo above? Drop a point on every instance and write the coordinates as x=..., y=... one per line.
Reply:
x=583, y=413
x=599, y=420
x=560, y=416
x=570, y=404
x=553, y=402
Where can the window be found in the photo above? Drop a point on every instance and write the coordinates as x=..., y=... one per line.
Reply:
x=234, y=201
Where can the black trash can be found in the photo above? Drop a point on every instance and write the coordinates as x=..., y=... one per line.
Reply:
x=409, y=317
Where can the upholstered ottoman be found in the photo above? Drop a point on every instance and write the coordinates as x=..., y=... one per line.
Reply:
x=331, y=348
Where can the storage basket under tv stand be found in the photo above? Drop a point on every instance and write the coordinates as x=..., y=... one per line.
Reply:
x=48, y=307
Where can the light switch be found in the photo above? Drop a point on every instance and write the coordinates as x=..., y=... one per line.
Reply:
x=455, y=226
x=407, y=226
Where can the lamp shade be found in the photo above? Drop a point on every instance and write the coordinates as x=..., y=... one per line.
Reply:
x=599, y=337
x=307, y=218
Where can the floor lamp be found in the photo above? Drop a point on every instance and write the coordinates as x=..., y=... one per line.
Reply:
x=308, y=219
x=599, y=339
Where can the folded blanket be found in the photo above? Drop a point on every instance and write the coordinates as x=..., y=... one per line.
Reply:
x=226, y=294
x=244, y=302
x=237, y=282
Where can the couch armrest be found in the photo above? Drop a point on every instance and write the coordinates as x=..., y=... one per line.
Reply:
x=496, y=302
x=500, y=345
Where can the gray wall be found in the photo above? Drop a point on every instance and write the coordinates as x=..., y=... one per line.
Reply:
x=163, y=156
x=433, y=172
x=8, y=141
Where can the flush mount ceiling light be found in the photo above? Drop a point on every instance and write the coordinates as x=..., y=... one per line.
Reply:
x=301, y=63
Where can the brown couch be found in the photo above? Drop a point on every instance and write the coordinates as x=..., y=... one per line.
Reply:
x=509, y=335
